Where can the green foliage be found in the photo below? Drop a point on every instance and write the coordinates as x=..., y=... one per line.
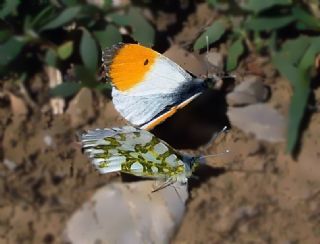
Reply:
x=51, y=57
x=89, y=51
x=66, y=89
x=267, y=23
x=65, y=17
x=212, y=34
x=263, y=26
x=9, y=7
x=10, y=50
x=257, y=6
x=108, y=36
x=235, y=51
x=142, y=31
x=65, y=50
x=295, y=66
x=64, y=34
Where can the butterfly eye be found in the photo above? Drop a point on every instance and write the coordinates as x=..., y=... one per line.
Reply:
x=146, y=62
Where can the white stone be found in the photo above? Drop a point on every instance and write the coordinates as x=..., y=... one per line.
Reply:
x=128, y=213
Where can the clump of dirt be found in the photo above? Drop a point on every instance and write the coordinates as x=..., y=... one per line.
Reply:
x=44, y=175
x=266, y=198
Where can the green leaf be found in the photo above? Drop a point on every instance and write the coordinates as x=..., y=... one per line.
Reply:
x=213, y=3
x=41, y=18
x=84, y=75
x=296, y=112
x=304, y=54
x=306, y=18
x=142, y=31
x=65, y=50
x=89, y=51
x=108, y=37
x=301, y=91
x=65, y=89
x=27, y=23
x=293, y=50
x=10, y=50
x=51, y=57
x=308, y=59
x=66, y=16
x=8, y=7
x=222, y=5
x=268, y=23
x=288, y=70
x=213, y=33
x=235, y=51
x=5, y=35
x=119, y=19
x=103, y=86
x=70, y=2
x=108, y=3
x=272, y=43
x=258, y=5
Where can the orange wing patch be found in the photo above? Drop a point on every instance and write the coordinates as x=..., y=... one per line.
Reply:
x=168, y=114
x=161, y=118
x=130, y=65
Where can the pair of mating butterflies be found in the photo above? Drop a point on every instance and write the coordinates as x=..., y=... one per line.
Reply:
x=147, y=88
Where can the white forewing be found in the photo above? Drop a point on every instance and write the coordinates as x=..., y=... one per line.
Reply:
x=141, y=109
x=165, y=85
x=182, y=104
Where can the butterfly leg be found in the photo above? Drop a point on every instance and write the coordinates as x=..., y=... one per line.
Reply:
x=165, y=184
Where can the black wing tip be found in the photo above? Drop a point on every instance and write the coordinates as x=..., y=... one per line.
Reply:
x=109, y=53
x=107, y=57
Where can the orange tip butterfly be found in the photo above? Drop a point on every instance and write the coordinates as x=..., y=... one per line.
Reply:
x=138, y=152
x=147, y=86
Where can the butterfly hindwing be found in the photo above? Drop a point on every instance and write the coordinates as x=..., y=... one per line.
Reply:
x=134, y=151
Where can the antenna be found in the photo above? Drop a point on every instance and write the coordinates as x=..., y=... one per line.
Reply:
x=166, y=183
x=218, y=134
x=214, y=137
x=207, y=63
x=215, y=155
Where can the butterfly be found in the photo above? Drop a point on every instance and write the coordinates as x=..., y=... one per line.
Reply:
x=137, y=152
x=148, y=87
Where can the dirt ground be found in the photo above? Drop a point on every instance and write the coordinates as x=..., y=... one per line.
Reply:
x=271, y=198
